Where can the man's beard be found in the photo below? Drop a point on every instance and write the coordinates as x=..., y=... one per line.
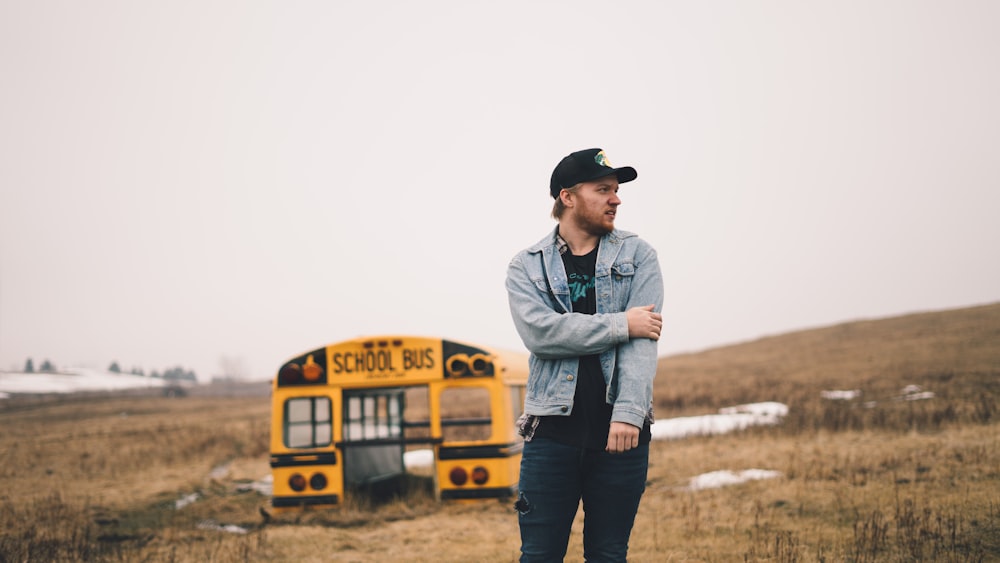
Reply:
x=593, y=227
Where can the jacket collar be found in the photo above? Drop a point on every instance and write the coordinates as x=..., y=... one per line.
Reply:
x=553, y=240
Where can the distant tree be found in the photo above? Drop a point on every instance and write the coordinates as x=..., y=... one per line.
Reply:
x=154, y=373
x=114, y=368
x=47, y=367
x=179, y=374
x=137, y=371
x=29, y=366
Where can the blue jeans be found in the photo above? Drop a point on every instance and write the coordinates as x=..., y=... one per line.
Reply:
x=555, y=477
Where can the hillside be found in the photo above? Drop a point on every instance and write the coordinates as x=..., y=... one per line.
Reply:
x=874, y=477
x=955, y=354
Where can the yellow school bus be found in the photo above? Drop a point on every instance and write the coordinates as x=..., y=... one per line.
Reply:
x=344, y=415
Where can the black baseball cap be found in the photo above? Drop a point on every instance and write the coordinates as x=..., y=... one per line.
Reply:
x=584, y=166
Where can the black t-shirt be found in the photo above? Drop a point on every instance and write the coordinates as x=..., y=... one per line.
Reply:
x=590, y=420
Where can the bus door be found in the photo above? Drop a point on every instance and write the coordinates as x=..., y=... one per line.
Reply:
x=373, y=440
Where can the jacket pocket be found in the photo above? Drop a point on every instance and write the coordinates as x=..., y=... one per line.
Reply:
x=621, y=282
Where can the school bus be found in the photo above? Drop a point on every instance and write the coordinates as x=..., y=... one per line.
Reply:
x=344, y=415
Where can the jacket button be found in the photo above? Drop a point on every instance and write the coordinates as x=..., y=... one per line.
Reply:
x=564, y=409
x=569, y=377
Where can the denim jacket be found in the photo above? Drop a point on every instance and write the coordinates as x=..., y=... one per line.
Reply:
x=627, y=275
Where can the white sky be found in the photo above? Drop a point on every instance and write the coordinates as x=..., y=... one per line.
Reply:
x=182, y=182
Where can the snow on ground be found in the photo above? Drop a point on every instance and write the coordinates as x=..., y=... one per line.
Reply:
x=72, y=380
x=418, y=458
x=717, y=479
x=915, y=393
x=908, y=393
x=840, y=395
x=230, y=528
x=185, y=500
x=728, y=420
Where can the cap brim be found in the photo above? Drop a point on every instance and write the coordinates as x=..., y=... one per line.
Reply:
x=623, y=174
x=626, y=174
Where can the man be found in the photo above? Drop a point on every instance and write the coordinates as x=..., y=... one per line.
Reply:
x=585, y=300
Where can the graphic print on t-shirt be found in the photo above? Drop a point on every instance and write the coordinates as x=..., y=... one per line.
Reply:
x=579, y=285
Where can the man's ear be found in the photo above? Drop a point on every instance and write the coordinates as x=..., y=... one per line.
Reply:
x=567, y=198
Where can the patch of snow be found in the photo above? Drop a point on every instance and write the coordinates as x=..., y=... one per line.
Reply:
x=717, y=479
x=230, y=528
x=836, y=395
x=915, y=393
x=219, y=472
x=263, y=486
x=729, y=419
x=418, y=458
x=72, y=380
x=767, y=408
x=185, y=500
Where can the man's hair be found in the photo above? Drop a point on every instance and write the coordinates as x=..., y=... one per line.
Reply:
x=558, y=208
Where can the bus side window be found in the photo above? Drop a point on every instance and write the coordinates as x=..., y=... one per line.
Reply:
x=465, y=414
x=308, y=422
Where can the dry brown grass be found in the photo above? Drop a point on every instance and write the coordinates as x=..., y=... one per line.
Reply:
x=96, y=479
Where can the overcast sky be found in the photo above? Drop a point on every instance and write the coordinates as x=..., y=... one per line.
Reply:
x=188, y=182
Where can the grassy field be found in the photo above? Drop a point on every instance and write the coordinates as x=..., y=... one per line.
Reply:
x=875, y=478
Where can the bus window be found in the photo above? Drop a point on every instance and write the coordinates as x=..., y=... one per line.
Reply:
x=372, y=415
x=307, y=422
x=465, y=414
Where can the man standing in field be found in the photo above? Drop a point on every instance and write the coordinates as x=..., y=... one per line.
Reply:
x=585, y=300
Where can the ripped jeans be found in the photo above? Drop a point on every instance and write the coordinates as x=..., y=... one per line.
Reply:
x=555, y=477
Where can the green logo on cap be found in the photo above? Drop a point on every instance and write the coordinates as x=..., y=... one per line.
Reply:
x=602, y=159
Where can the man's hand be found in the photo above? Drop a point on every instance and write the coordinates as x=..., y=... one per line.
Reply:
x=644, y=323
x=622, y=437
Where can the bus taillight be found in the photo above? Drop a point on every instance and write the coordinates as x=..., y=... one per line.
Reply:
x=458, y=476
x=480, y=475
x=317, y=482
x=297, y=482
